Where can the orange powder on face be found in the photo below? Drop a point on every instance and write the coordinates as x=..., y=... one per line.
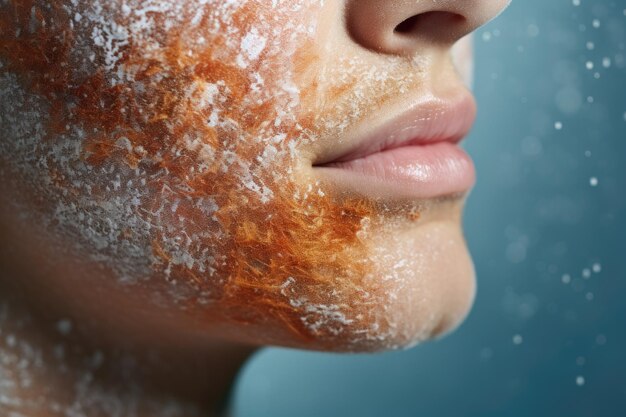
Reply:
x=179, y=134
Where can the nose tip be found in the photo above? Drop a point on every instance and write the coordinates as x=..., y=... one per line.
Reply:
x=402, y=27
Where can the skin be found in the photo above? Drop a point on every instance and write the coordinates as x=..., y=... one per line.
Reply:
x=159, y=190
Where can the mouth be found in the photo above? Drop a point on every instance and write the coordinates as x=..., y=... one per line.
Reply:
x=413, y=155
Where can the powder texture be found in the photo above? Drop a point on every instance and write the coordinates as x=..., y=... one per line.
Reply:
x=161, y=140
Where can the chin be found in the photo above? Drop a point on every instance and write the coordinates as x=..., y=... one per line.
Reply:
x=427, y=286
x=419, y=284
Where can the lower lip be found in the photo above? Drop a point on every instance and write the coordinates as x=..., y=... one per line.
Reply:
x=411, y=172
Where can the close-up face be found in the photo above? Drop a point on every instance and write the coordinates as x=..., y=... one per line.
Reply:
x=281, y=172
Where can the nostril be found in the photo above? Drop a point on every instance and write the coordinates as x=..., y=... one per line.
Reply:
x=434, y=24
x=407, y=25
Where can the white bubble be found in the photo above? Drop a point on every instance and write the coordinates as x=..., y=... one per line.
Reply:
x=606, y=62
x=601, y=339
x=486, y=36
x=566, y=279
x=518, y=339
x=589, y=65
x=624, y=116
x=576, y=2
x=597, y=268
x=580, y=361
x=586, y=273
x=593, y=181
x=558, y=125
x=588, y=154
x=595, y=23
x=590, y=46
x=64, y=327
x=589, y=296
x=580, y=380
x=532, y=30
x=590, y=99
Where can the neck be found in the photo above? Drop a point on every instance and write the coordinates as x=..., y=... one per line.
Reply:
x=48, y=366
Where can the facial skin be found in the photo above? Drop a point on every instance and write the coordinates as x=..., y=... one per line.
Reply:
x=161, y=154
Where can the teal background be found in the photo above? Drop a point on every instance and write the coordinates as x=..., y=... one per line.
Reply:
x=549, y=248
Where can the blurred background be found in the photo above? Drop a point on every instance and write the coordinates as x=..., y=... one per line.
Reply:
x=546, y=225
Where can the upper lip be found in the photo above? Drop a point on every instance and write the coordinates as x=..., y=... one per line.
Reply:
x=425, y=121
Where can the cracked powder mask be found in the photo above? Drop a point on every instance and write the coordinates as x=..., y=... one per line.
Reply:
x=163, y=151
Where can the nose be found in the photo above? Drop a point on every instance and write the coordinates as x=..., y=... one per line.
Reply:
x=403, y=27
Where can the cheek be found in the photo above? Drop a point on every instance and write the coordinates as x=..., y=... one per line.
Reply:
x=160, y=145
x=165, y=146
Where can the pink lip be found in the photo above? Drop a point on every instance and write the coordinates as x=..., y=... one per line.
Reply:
x=414, y=155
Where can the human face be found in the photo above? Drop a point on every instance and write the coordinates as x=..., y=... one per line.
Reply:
x=218, y=163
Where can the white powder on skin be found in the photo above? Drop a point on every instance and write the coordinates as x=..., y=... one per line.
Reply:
x=251, y=46
x=25, y=363
x=110, y=214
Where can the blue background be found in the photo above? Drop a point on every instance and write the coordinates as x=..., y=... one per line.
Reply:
x=547, y=335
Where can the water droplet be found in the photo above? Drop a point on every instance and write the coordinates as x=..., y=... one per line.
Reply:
x=589, y=65
x=580, y=380
x=558, y=125
x=595, y=23
x=593, y=181
x=606, y=62
x=597, y=268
